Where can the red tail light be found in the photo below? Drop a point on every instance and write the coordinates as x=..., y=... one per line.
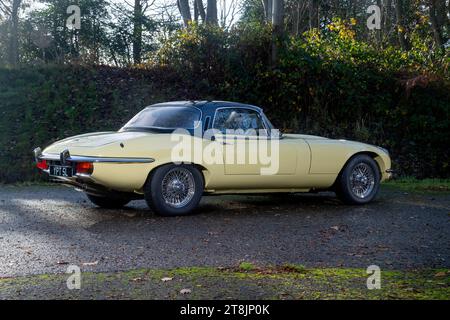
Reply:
x=42, y=164
x=85, y=167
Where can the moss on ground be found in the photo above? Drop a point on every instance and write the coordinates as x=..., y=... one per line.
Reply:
x=425, y=186
x=285, y=282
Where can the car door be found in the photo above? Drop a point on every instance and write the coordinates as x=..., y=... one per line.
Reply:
x=247, y=147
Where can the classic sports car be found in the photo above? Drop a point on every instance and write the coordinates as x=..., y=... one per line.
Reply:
x=138, y=162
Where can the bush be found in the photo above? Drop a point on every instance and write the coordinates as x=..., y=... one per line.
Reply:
x=44, y=104
x=324, y=83
x=328, y=83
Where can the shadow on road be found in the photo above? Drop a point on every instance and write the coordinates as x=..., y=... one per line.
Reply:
x=44, y=228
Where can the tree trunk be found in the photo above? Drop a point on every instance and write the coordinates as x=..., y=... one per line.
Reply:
x=435, y=25
x=401, y=30
x=278, y=28
x=267, y=5
x=379, y=32
x=185, y=11
x=278, y=14
x=201, y=9
x=296, y=19
x=386, y=17
x=211, y=12
x=196, y=14
x=441, y=14
x=13, y=54
x=137, y=32
x=313, y=14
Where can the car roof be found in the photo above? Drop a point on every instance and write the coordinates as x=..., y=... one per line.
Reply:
x=207, y=105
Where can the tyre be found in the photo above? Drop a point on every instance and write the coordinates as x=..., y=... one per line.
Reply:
x=107, y=202
x=174, y=190
x=359, y=181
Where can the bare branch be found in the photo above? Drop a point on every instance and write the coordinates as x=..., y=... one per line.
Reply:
x=5, y=8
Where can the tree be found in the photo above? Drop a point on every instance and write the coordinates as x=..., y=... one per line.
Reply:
x=267, y=5
x=211, y=12
x=278, y=27
x=137, y=32
x=401, y=28
x=435, y=7
x=200, y=9
x=313, y=14
x=10, y=9
x=139, y=10
x=209, y=17
x=185, y=11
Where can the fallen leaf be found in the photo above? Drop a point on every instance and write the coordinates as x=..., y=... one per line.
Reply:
x=165, y=279
x=90, y=263
x=335, y=228
x=136, y=279
x=185, y=291
x=440, y=274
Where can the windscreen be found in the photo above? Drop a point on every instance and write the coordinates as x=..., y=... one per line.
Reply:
x=165, y=117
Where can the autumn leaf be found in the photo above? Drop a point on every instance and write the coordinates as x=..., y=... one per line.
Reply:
x=185, y=291
x=165, y=279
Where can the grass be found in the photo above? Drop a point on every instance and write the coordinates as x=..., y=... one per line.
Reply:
x=246, y=266
x=284, y=282
x=426, y=185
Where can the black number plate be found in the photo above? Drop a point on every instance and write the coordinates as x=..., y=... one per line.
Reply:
x=61, y=171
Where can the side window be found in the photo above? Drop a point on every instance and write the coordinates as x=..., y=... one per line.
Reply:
x=247, y=121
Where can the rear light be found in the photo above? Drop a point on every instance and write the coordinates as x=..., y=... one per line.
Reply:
x=85, y=167
x=42, y=164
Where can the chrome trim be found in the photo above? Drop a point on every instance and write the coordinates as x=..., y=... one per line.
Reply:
x=178, y=187
x=56, y=157
x=64, y=156
x=37, y=154
x=362, y=180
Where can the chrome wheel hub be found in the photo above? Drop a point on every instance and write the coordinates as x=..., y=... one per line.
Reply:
x=362, y=180
x=178, y=187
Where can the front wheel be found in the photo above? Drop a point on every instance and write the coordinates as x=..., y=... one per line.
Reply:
x=359, y=181
x=174, y=190
x=107, y=202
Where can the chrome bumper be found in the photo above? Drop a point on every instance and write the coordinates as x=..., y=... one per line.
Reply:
x=65, y=156
x=85, y=182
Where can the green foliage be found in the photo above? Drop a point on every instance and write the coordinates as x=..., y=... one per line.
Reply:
x=425, y=185
x=246, y=266
x=211, y=283
x=325, y=83
x=43, y=104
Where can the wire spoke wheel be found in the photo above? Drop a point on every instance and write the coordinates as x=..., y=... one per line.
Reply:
x=362, y=180
x=178, y=187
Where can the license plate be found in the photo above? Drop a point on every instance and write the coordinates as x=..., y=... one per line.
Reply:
x=61, y=171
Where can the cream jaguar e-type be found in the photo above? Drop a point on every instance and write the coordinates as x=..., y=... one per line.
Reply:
x=137, y=161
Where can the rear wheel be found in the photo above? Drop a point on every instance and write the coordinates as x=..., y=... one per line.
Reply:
x=107, y=202
x=359, y=182
x=174, y=190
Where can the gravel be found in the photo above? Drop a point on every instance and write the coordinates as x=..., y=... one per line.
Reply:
x=45, y=229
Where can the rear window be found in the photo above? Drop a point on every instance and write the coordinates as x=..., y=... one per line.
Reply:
x=165, y=117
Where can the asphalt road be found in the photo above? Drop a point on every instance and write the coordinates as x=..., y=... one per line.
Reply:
x=43, y=229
